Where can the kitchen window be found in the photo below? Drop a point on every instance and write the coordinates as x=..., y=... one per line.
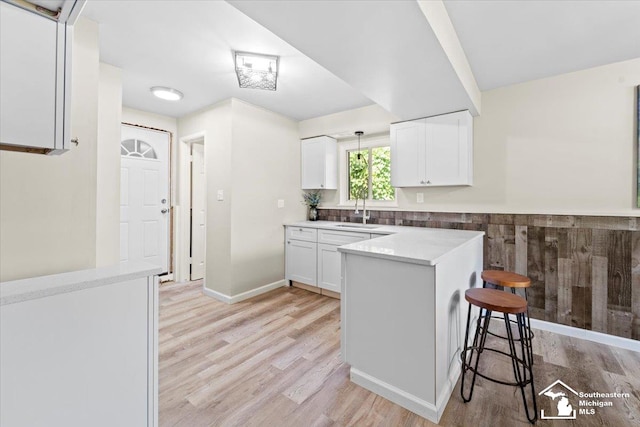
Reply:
x=369, y=175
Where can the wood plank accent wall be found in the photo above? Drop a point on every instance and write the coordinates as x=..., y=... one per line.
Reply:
x=584, y=270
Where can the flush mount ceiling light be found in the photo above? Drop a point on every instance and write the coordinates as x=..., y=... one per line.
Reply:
x=256, y=71
x=167, y=93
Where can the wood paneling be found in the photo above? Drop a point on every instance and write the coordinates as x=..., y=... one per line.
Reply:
x=584, y=270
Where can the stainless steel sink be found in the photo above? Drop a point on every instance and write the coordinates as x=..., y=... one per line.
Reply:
x=351, y=225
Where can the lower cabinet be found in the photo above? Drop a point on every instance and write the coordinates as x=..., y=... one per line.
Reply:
x=301, y=261
x=312, y=257
x=329, y=267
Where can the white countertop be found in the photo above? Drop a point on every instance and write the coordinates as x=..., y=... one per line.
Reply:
x=415, y=245
x=44, y=286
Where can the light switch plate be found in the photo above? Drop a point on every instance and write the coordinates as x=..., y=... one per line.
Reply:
x=280, y=203
x=220, y=195
x=419, y=197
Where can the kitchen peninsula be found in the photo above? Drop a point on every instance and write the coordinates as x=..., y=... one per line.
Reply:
x=403, y=310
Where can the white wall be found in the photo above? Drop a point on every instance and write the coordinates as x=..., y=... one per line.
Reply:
x=562, y=145
x=265, y=168
x=48, y=203
x=252, y=155
x=108, y=166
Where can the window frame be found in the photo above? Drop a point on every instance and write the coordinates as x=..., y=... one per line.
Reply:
x=352, y=145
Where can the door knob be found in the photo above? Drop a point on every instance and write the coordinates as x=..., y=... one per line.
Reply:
x=164, y=211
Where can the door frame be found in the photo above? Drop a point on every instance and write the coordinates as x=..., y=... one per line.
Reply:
x=170, y=269
x=183, y=206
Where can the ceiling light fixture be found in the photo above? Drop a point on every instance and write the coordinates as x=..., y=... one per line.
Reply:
x=256, y=71
x=167, y=93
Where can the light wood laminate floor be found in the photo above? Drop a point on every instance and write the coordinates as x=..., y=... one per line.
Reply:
x=274, y=360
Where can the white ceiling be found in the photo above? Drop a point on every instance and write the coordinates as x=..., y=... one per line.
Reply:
x=187, y=45
x=383, y=51
x=509, y=42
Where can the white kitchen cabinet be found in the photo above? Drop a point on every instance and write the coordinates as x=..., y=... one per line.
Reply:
x=311, y=255
x=329, y=257
x=433, y=151
x=35, y=77
x=300, y=259
x=319, y=160
x=328, y=267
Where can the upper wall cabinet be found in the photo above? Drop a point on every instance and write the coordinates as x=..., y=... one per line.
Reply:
x=35, y=75
x=319, y=159
x=434, y=151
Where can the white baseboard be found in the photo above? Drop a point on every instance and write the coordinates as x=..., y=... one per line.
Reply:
x=400, y=397
x=599, y=337
x=244, y=295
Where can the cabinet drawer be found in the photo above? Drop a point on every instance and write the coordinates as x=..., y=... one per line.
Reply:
x=302, y=233
x=341, y=237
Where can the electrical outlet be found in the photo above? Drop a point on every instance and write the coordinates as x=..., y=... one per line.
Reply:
x=280, y=203
x=419, y=197
x=220, y=195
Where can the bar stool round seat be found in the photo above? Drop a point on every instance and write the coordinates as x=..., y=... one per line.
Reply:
x=507, y=304
x=505, y=279
x=495, y=300
x=513, y=281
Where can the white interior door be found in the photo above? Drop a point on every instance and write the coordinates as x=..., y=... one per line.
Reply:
x=144, y=196
x=198, y=198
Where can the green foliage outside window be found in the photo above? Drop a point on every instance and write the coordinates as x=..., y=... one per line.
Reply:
x=370, y=176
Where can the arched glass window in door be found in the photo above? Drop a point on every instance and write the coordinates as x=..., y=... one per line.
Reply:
x=137, y=148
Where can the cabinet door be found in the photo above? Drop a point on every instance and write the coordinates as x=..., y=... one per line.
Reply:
x=301, y=261
x=319, y=159
x=408, y=153
x=447, y=149
x=28, y=78
x=329, y=267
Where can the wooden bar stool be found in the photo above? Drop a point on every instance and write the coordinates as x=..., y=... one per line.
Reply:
x=506, y=279
x=493, y=300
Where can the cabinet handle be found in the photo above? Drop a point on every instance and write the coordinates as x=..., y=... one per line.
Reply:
x=321, y=185
x=428, y=182
x=75, y=141
x=300, y=229
x=421, y=182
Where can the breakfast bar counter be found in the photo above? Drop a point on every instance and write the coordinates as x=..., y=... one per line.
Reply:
x=402, y=313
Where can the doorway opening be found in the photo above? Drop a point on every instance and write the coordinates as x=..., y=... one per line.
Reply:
x=197, y=212
x=191, y=209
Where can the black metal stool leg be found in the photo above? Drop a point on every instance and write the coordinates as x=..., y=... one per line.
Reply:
x=481, y=329
x=527, y=357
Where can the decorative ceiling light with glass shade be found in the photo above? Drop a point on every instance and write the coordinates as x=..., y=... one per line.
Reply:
x=256, y=71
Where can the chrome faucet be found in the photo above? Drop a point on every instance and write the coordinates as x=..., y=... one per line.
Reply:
x=365, y=217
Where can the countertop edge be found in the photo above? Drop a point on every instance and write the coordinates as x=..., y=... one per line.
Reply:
x=21, y=290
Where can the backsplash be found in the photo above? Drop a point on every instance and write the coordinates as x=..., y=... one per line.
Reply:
x=584, y=270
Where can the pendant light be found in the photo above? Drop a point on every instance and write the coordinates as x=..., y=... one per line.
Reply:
x=359, y=133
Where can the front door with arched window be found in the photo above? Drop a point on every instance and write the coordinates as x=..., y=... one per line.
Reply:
x=144, y=196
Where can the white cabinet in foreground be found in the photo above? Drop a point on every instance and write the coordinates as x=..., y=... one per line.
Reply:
x=80, y=349
x=433, y=151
